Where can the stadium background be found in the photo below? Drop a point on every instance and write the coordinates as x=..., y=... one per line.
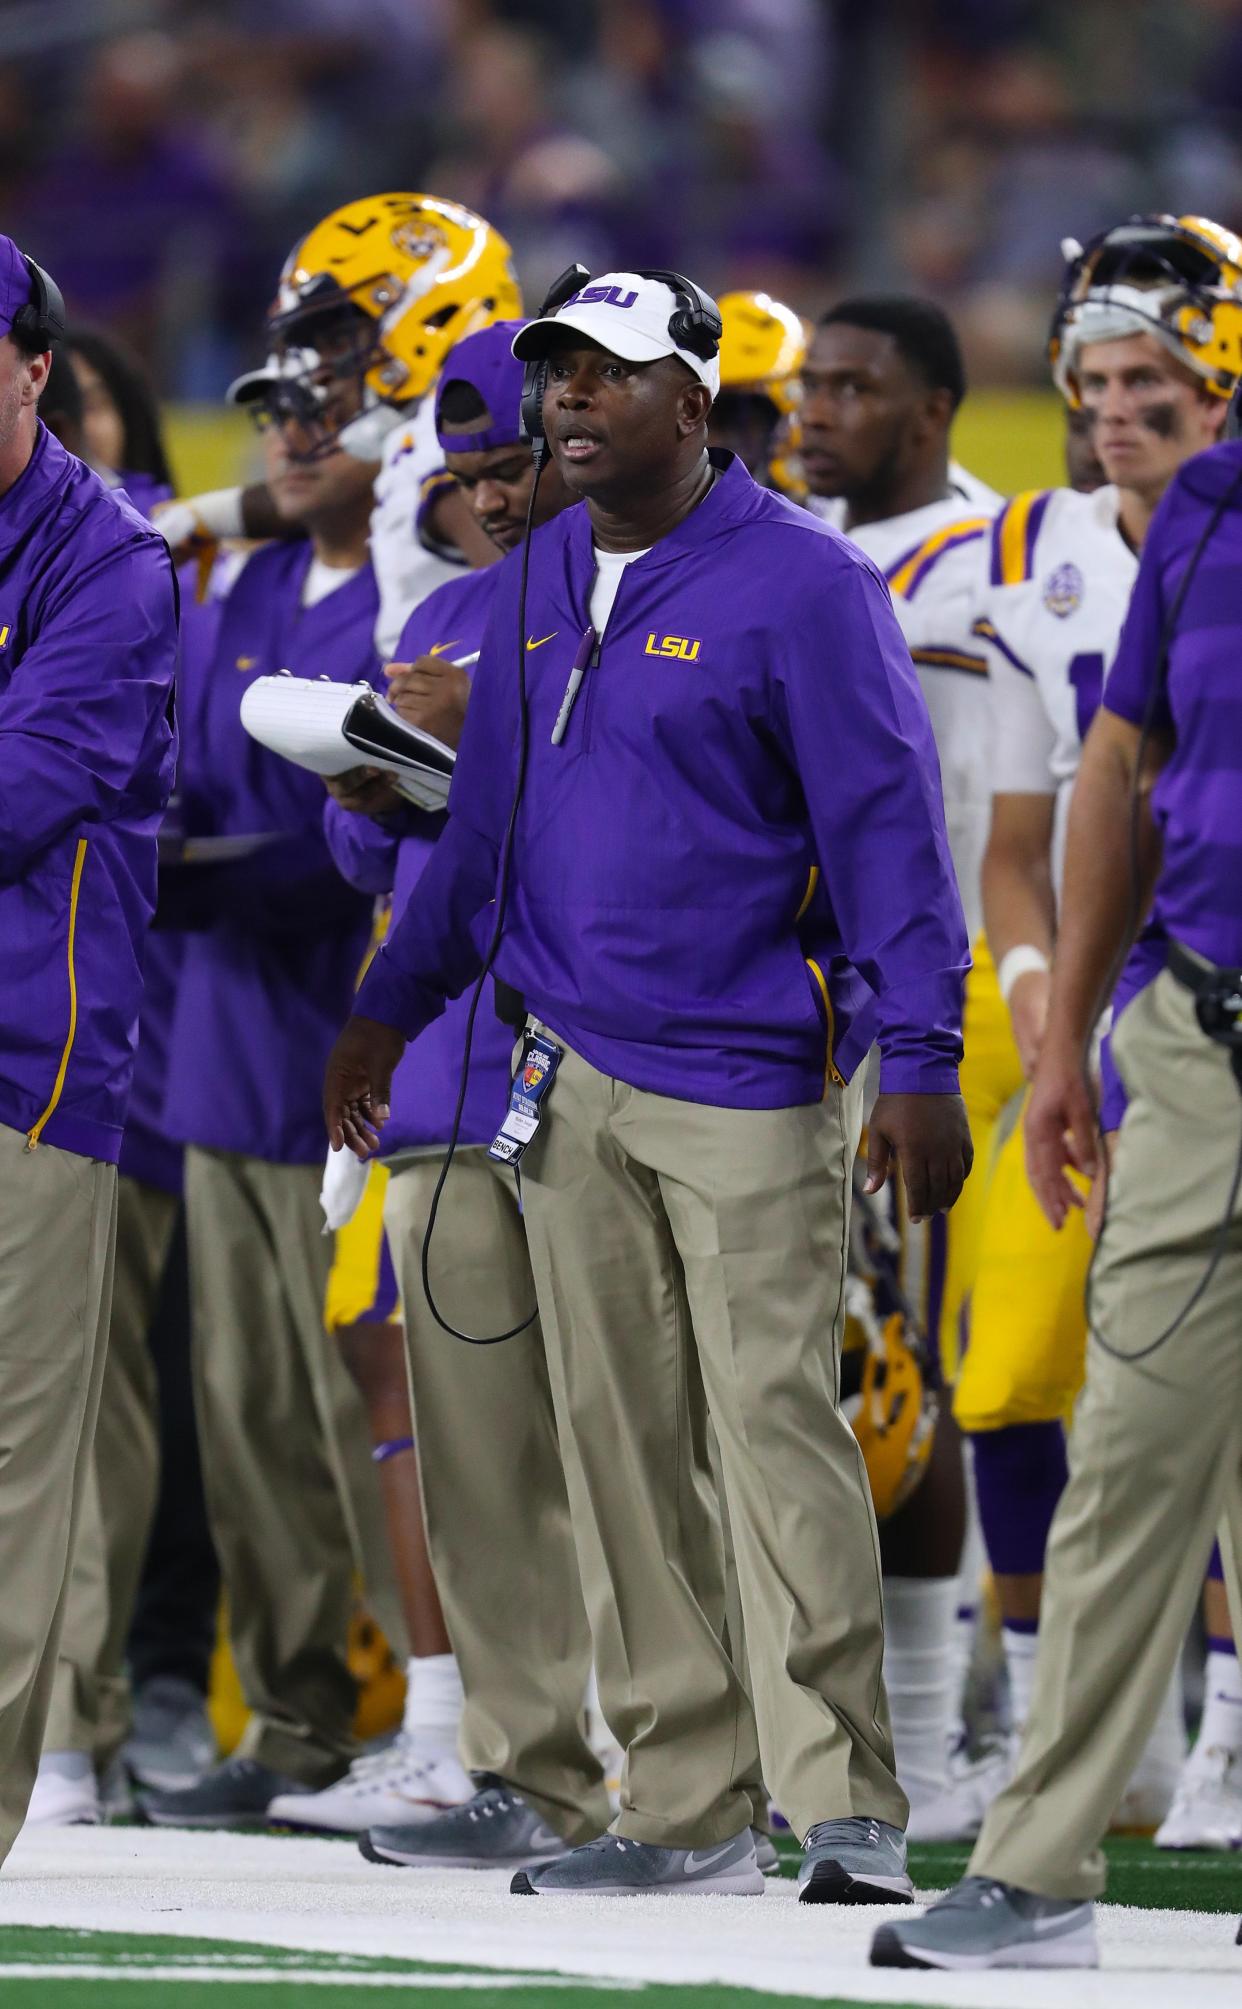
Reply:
x=159, y=156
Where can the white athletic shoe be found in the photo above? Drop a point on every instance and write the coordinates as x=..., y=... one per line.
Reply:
x=1207, y=1806
x=956, y=1815
x=63, y=1798
x=399, y=1786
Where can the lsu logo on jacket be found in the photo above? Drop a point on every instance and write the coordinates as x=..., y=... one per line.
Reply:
x=686, y=647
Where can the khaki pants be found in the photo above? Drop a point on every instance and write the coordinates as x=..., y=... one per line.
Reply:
x=292, y=1496
x=57, y=1228
x=690, y=1262
x=497, y=1516
x=90, y=1700
x=1155, y=1457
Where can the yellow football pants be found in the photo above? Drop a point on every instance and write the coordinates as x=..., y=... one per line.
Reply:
x=1024, y=1280
x=991, y=1078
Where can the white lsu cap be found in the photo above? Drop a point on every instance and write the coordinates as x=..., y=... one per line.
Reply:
x=627, y=315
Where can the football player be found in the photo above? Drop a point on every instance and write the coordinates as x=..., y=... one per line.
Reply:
x=369, y=304
x=880, y=387
x=762, y=349
x=1147, y=339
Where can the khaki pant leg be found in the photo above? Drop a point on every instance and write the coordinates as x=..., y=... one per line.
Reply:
x=257, y=1276
x=633, y=1424
x=1155, y=1457
x=57, y=1230
x=290, y=1197
x=90, y=1705
x=759, y=1206
x=76, y=1705
x=494, y=1500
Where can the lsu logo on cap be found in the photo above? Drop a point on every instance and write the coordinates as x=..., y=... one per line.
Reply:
x=1063, y=591
x=600, y=296
x=686, y=647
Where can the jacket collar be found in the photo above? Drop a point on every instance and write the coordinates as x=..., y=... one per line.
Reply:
x=43, y=476
x=734, y=497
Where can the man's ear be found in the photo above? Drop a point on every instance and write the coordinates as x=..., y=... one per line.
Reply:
x=693, y=406
x=34, y=377
x=1218, y=412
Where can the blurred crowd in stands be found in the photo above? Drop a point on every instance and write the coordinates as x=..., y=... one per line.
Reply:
x=806, y=145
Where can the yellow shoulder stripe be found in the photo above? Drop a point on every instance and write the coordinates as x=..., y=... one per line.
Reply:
x=1016, y=531
x=908, y=570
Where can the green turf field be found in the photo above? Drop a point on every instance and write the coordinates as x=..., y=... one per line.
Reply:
x=40, y=1967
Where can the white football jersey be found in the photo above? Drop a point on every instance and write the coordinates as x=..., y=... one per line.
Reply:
x=1059, y=580
x=406, y=571
x=934, y=559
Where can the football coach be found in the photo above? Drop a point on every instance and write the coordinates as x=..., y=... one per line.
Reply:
x=729, y=878
x=88, y=642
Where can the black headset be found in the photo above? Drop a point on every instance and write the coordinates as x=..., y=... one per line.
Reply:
x=41, y=322
x=694, y=324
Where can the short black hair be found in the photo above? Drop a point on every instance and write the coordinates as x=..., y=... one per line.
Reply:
x=462, y=408
x=922, y=331
x=130, y=389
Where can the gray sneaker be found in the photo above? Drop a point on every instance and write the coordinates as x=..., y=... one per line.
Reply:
x=172, y=1743
x=855, y=1861
x=988, y=1924
x=495, y=1830
x=765, y=1852
x=613, y=1866
x=236, y=1794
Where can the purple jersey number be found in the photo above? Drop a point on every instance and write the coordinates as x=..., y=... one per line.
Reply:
x=1086, y=674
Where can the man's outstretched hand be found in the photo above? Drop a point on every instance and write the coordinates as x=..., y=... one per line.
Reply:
x=358, y=1082
x=929, y=1137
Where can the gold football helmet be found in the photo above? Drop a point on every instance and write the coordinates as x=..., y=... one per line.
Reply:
x=1177, y=277
x=762, y=347
x=887, y=1395
x=375, y=296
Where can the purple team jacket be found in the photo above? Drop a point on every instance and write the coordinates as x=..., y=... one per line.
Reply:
x=88, y=646
x=732, y=875
x=391, y=859
x=274, y=939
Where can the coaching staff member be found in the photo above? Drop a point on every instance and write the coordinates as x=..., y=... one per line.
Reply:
x=88, y=640
x=730, y=876
x=1156, y=1449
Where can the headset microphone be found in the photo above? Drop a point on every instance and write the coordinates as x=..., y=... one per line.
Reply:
x=534, y=382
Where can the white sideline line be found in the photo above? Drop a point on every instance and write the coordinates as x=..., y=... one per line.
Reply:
x=304, y=1977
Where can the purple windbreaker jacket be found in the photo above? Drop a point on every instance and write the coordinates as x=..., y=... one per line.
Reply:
x=88, y=646
x=732, y=875
x=391, y=858
x=275, y=938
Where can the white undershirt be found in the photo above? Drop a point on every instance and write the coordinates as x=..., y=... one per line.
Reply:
x=609, y=568
x=323, y=579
